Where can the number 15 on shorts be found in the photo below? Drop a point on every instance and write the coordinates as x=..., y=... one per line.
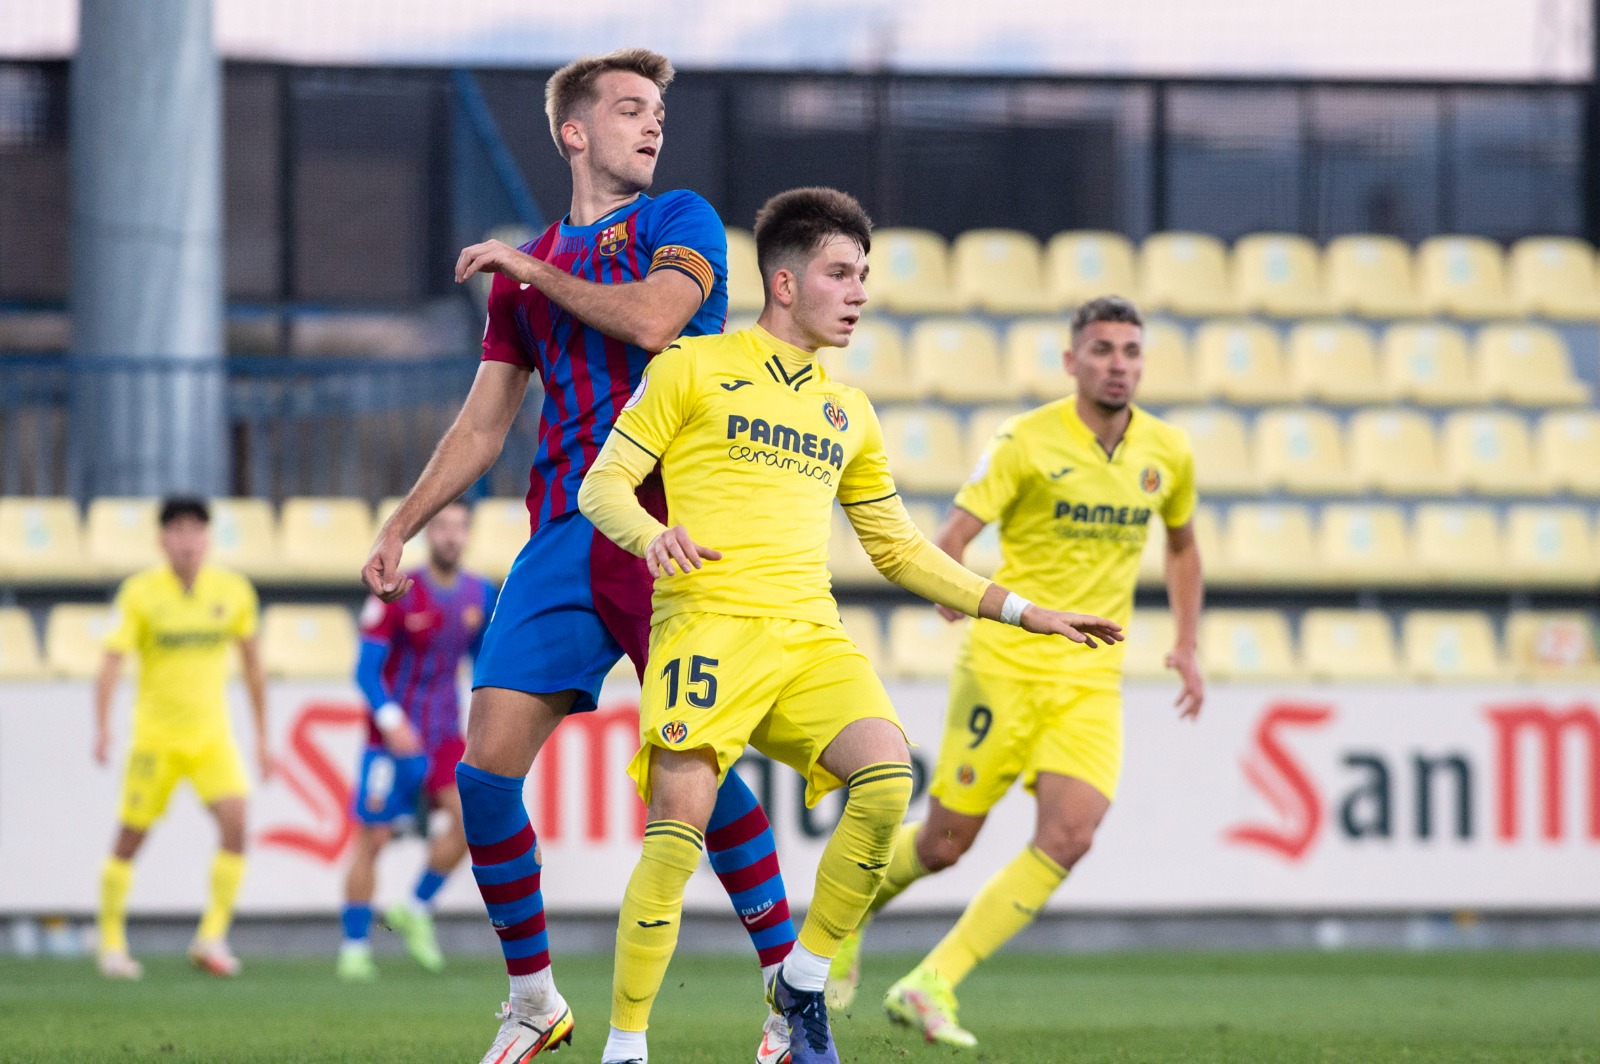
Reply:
x=699, y=687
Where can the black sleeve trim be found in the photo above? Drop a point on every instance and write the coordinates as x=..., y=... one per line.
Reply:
x=636, y=443
x=864, y=502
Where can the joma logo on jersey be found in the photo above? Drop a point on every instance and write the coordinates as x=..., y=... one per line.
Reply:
x=613, y=239
x=1102, y=515
x=784, y=438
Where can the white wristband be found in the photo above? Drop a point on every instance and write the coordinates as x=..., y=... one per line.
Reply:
x=1011, y=609
x=388, y=716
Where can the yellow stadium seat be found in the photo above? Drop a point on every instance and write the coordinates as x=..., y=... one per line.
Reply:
x=1450, y=645
x=1370, y=276
x=923, y=645
x=1430, y=364
x=1301, y=449
x=1566, y=444
x=1246, y=645
x=1396, y=452
x=415, y=552
x=40, y=540
x=308, y=642
x=875, y=362
x=1459, y=543
x=1278, y=274
x=1242, y=361
x=1553, y=645
x=957, y=359
x=1464, y=276
x=1168, y=375
x=244, y=535
x=1489, y=452
x=1208, y=538
x=910, y=272
x=1186, y=273
x=926, y=449
x=1271, y=543
x=1364, y=544
x=861, y=625
x=19, y=646
x=984, y=422
x=746, y=294
x=1000, y=271
x=122, y=535
x=1554, y=277
x=1335, y=362
x=1222, y=463
x=1084, y=264
x=847, y=559
x=1034, y=352
x=499, y=532
x=74, y=637
x=324, y=539
x=1344, y=645
x=1150, y=635
x=1551, y=546
x=1528, y=365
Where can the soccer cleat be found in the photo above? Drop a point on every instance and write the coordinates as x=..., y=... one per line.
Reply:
x=214, y=958
x=806, y=1012
x=116, y=964
x=774, y=1047
x=355, y=963
x=844, y=972
x=527, y=1030
x=415, y=926
x=924, y=1000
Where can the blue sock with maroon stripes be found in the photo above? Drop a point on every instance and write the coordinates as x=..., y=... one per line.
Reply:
x=505, y=862
x=740, y=847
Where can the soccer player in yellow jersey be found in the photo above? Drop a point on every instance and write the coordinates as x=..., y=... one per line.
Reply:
x=755, y=443
x=180, y=619
x=1074, y=485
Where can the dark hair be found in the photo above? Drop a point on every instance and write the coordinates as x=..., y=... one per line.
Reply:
x=795, y=223
x=176, y=506
x=1104, y=308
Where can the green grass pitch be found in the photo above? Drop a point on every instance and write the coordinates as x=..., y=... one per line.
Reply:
x=1527, y=1008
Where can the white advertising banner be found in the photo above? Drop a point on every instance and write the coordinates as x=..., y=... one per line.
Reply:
x=1280, y=798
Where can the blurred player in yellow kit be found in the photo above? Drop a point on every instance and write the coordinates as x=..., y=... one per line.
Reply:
x=180, y=619
x=1074, y=485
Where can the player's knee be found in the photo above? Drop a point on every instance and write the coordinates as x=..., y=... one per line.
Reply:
x=878, y=798
x=938, y=850
x=1065, y=844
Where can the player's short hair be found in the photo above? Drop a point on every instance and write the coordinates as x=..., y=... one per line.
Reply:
x=1104, y=308
x=793, y=224
x=176, y=506
x=573, y=86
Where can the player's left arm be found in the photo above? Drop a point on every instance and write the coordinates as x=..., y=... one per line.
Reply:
x=1185, y=590
x=255, y=675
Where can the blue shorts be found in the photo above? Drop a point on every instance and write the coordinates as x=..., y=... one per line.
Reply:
x=388, y=788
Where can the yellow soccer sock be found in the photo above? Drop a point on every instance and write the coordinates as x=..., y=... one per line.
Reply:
x=647, y=927
x=1005, y=905
x=905, y=867
x=116, y=879
x=227, y=872
x=853, y=863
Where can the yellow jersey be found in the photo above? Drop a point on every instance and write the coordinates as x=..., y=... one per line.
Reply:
x=1073, y=521
x=182, y=638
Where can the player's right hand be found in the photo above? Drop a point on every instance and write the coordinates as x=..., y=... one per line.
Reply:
x=949, y=614
x=102, y=747
x=402, y=740
x=674, y=548
x=382, y=573
x=1082, y=628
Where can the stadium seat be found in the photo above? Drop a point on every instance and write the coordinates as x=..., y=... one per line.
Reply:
x=1461, y=544
x=1450, y=645
x=308, y=642
x=984, y=422
x=1551, y=546
x=1395, y=452
x=923, y=645
x=1361, y=544
x=1208, y=538
x=1430, y=364
x=1335, y=362
x=1553, y=645
x=74, y=637
x=1240, y=644
x=1169, y=375
x=1301, y=449
x=847, y=559
x=875, y=362
x=957, y=360
x=1034, y=349
x=415, y=552
x=1000, y=271
x=1241, y=361
x=1566, y=443
x=122, y=535
x=1370, y=276
x=324, y=539
x=1489, y=452
x=1554, y=277
x=861, y=625
x=1271, y=543
x=926, y=448
x=746, y=294
x=1463, y=276
x=1528, y=365
x=1150, y=635
x=1345, y=645
x=499, y=532
x=19, y=646
x=1081, y=265
x=910, y=272
x=1278, y=274
x=244, y=536
x=1185, y=273
x=1222, y=464
x=40, y=540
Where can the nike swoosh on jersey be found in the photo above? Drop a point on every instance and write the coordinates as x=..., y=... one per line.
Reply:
x=525, y=285
x=654, y=923
x=735, y=386
x=1061, y=473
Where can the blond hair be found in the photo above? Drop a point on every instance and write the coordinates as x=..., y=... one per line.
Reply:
x=573, y=86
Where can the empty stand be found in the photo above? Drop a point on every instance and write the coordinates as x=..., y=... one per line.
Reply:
x=1489, y=452
x=1395, y=452
x=1168, y=373
x=1335, y=362
x=1278, y=274
x=847, y=559
x=923, y=645
x=910, y=272
x=19, y=646
x=1241, y=361
x=1085, y=264
x=41, y=540
x=1554, y=277
x=861, y=625
x=499, y=532
x=926, y=451
x=1528, y=365
x=1186, y=273
x=983, y=553
x=1553, y=645
x=875, y=362
x=984, y=422
x=746, y=293
x=1450, y=645
x=1371, y=276
x=1566, y=443
x=244, y=535
x=1034, y=350
x=1463, y=276
x=1150, y=634
x=1365, y=544
x=958, y=360
x=1223, y=463
x=74, y=638
x=1459, y=543
x=1208, y=540
x=1430, y=364
x=1302, y=450
x=324, y=539
x=1271, y=543
x=122, y=535
x=1246, y=645
x=308, y=642
x=1551, y=546
x=1345, y=645
x=1000, y=271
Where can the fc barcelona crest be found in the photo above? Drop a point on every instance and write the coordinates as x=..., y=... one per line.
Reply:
x=613, y=239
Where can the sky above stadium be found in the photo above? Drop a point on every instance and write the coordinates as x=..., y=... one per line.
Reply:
x=1469, y=39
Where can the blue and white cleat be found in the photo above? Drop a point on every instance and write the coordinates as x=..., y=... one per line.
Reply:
x=810, y=1038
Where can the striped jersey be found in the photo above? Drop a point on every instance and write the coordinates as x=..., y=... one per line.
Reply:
x=587, y=375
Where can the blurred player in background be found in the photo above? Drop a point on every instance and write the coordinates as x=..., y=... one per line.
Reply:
x=1073, y=484
x=180, y=619
x=585, y=306
x=409, y=671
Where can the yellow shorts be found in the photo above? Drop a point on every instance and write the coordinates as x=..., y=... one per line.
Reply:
x=214, y=768
x=1001, y=727
x=788, y=688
